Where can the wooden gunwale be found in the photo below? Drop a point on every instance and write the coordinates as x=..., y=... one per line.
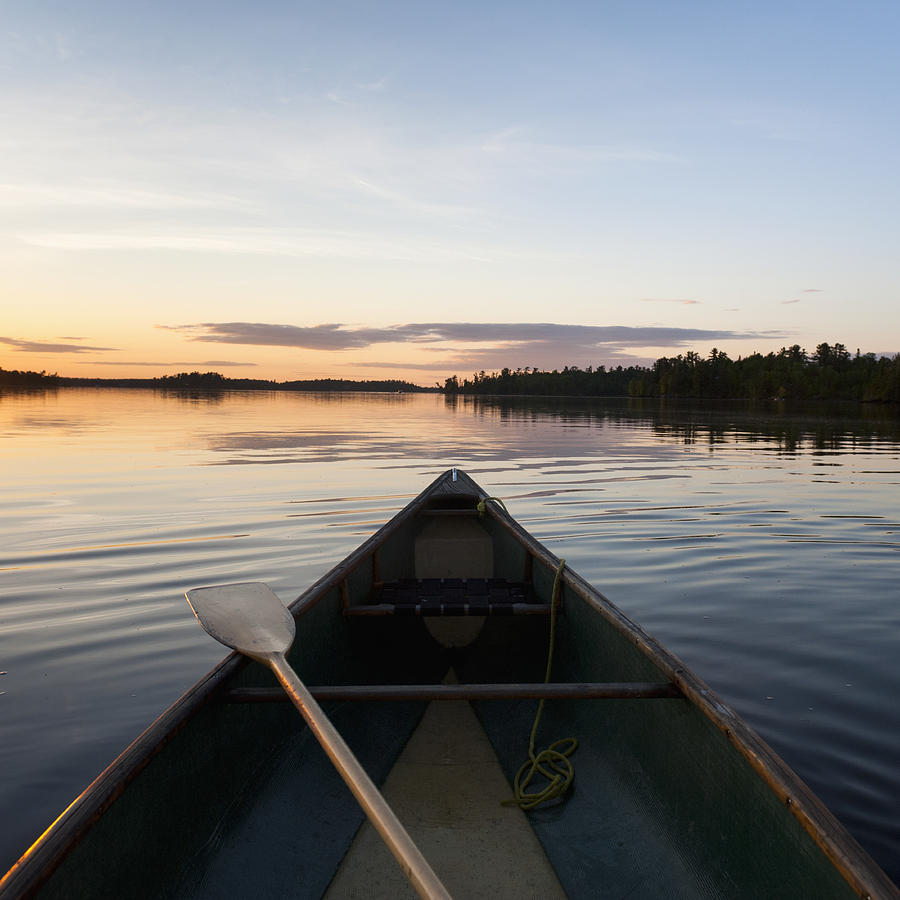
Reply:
x=860, y=871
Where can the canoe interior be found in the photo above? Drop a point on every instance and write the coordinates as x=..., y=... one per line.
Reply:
x=238, y=799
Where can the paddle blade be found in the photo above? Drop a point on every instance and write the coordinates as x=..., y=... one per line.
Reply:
x=247, y=617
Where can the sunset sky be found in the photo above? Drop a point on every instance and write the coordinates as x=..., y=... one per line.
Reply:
x=413, y=190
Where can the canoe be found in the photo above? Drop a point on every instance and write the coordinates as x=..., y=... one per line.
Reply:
x=428, y=648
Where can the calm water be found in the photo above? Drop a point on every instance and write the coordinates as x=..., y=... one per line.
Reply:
x=761, y=547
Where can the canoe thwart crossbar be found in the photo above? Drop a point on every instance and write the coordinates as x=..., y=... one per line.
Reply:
x=586, y=691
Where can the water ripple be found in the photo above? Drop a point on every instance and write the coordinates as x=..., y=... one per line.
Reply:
x=758, y=547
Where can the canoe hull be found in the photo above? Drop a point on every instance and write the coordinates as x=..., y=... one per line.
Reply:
x=673, y=797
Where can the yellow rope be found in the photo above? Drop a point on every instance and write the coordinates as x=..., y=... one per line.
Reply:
x=553, y=763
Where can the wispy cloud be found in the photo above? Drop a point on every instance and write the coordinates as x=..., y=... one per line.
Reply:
x=772, y=121
x=276, y=242
x=192, y=364
x=812, y=291
x=38, y=46
x=413, y=204
x=261, y=334
x=514, y=148
x=49, y=347
x=88, y=148
x=373, y=87
x=789, y=302
x=493, y=359
x=219, y=362
x=542, y=332
x=112, y=196
x=669, y=300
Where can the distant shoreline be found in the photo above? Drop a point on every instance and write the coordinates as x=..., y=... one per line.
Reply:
x=830, y=373
x=209, y=381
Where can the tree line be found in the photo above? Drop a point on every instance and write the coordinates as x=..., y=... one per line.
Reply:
x=829, y=373
x=16, y=378
x=215, y=381
x=207, y=381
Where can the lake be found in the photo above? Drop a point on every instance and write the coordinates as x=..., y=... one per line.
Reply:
x=759, y=545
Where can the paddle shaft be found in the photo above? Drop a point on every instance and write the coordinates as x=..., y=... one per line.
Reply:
x=414, y=865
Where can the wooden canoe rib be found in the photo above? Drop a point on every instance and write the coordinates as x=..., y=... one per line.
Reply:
x=664, y=756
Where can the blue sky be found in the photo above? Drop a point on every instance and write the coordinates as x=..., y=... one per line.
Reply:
x=183, y=184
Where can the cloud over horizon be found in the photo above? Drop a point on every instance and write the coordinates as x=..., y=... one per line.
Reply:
x=149, y=363
x=682, y=302
x=49, y=347
x=335, y=336
x=475, y=345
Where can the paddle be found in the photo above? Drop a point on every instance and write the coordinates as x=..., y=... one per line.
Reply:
x=251, y=619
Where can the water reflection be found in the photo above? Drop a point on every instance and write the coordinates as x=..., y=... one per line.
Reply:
x=760, y=544
x=834, y=428
x=209, y=398
x=551, y=430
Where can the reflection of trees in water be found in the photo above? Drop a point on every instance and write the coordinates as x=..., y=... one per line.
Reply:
x=207, y=398
x=316, y=398
x=466, y=429
x=7, y=391
x=785, y=428
x=329, y=398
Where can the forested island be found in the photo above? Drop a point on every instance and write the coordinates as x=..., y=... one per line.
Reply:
x=829, y=373
x=207, y=381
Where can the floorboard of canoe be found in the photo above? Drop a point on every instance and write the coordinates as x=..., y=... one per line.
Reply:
x=447, y=788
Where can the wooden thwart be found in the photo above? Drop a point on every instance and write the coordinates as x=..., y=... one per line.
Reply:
x=638, y=690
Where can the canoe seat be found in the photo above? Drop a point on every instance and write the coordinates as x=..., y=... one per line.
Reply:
x=450, y=597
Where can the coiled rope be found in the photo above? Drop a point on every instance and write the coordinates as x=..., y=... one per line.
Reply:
x=553, y=763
